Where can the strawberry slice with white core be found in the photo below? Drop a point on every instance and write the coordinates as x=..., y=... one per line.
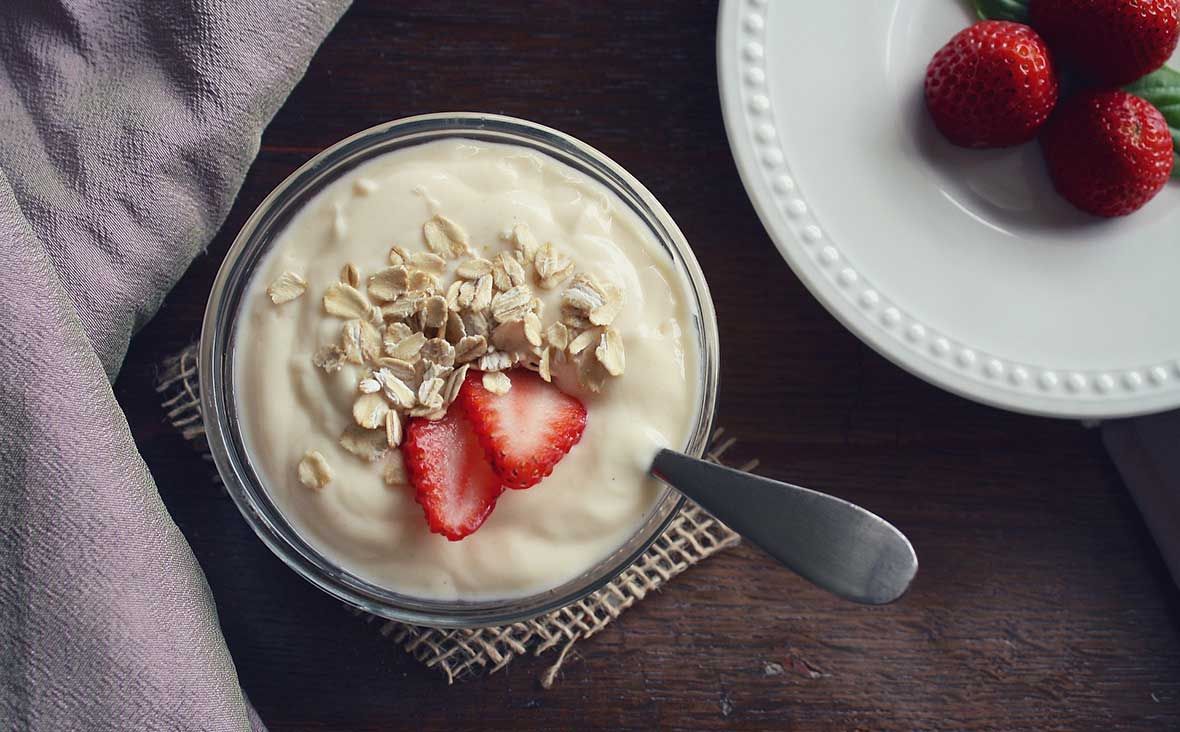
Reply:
x=526, y=431
x=453, y=481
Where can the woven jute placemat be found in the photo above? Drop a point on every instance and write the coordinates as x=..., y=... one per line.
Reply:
x=692, y=536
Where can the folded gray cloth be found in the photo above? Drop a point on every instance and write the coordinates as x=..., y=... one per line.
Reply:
x=128, y=126
x=1145, y=451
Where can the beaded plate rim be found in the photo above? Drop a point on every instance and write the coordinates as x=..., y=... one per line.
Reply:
x=849, y=295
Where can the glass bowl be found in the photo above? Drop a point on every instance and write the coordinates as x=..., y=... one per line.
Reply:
x=218, y=393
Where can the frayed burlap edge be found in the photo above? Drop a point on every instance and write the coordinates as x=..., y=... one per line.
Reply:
x=691, y=536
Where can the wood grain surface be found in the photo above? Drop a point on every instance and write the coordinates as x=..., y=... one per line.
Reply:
x=1041, y=602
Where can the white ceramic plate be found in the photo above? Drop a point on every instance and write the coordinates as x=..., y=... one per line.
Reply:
x=963, y=267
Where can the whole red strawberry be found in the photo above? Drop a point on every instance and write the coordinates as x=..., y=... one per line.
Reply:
x=992, y=85
x=1111, y=42
x=1108, y=152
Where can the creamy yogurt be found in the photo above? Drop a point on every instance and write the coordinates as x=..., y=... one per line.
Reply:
x=535, y=539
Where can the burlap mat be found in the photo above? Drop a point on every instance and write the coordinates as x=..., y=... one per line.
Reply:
x=692, y=536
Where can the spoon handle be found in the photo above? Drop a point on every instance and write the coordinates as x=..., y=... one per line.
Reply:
x=835, y=544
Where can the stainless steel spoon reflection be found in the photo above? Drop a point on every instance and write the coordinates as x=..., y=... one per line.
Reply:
x=835, y=544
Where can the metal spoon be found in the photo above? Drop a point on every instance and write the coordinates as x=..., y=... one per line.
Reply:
x=835, y=544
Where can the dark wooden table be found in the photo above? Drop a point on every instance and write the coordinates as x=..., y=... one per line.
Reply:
x=1041, y=604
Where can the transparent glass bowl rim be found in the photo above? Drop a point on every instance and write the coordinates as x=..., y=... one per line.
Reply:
x=215, y=363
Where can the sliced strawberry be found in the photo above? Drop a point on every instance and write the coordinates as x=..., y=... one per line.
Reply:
x=527, y=431
x=452, y=479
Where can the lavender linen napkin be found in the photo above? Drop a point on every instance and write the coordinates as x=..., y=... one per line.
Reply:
x=1145, y=449
x=126, y=128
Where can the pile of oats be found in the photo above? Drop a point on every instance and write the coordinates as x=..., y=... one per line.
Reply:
x=417, y=337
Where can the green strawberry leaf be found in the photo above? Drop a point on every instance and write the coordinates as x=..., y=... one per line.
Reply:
x=1016, y=10
x=1162, y=88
